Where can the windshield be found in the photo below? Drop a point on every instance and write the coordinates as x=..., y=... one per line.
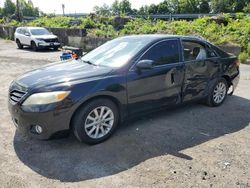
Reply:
x=117, y=52
x=41, y=31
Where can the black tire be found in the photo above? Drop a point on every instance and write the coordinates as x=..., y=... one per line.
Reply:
x=80, y=118
x=55, y=48
x=19, y=45
x=210, y=99
x=33, y=46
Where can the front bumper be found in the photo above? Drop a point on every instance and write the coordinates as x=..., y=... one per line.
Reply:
x=51, y=121
x=48, y=45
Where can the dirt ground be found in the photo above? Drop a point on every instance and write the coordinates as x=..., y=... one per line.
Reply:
x=190, y=146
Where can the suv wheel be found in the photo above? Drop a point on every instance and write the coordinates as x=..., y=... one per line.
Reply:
x=19, y=45
x=96, y=121
x=218, y=93
x=33, y=46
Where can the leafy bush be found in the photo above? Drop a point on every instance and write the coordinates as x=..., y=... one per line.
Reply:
x=14, y=23
x=243, y=57
x=248, y=48
x=57, y=22
x=235, y=31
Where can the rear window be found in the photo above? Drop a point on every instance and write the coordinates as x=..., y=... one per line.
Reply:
x=220, y=52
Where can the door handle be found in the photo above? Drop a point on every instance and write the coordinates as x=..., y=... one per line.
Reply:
x=172, y=78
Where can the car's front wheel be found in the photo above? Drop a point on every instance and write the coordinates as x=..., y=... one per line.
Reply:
x=218, y=93
x=19, y=45
x=96, y=121
x=33, y=46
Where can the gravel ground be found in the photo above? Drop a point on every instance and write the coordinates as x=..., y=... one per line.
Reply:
x=190, y=146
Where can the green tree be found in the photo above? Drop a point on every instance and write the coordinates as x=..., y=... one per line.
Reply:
x=121, y=7
x=8, y=8
x=247, y=8
x=204, y=6
x=143, y=10
x=104, y=10
x=163, y=8
x=153, y=9
x=228, y=6
x=28, y=8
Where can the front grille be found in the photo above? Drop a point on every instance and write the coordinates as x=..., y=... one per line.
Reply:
x=16, y=96
x=51, y=40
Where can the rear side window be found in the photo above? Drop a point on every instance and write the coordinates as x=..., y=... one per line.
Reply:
x=220, y=52
x=194, y=51
x=19, y=31
x=165, y=52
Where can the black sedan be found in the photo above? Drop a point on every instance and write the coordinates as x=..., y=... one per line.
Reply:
x=122, y=78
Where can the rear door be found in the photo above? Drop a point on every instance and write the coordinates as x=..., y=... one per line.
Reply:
x=26, y=37
x=161, y=85
x=201, y=66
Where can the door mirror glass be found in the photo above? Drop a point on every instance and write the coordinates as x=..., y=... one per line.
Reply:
x=145, y=64
x=27, y=34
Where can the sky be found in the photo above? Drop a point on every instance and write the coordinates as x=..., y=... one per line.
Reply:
x=80, y=6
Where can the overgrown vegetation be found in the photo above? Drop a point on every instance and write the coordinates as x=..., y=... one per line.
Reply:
x=235, y=31
x=124, y=7
x=26, y=6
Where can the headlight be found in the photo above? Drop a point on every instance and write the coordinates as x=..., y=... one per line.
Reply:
x=46, y=98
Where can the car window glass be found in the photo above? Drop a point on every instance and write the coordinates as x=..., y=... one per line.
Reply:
x=20, y=31
x=40, y=31
x=210, y=52
x=117, y=52
x=163, y=53
x=193, y=51
x=25, y=31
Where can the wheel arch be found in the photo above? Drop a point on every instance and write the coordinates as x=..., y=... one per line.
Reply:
x=111, y=98
x=227, y=78
x=32, y=41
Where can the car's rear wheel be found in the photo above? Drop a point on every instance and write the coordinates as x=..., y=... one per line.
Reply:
x=96, y=121
x=19, y=45
x=218, y=93
x=33, y=46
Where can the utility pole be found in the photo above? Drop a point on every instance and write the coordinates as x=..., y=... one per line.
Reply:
x=63, y=7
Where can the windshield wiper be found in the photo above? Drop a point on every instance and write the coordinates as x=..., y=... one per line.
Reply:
x=89, y=62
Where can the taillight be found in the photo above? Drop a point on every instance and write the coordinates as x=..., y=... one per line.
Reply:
x=237, y=62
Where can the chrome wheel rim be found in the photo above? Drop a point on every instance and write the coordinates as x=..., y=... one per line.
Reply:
x=219, y=92
x=99, y=122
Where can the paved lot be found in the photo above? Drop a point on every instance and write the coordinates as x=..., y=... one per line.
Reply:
x=191, y=146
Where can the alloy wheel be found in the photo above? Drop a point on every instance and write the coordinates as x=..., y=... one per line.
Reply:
x=220, y=91
x=99, y=122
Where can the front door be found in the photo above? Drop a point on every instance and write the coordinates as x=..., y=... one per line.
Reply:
x=161, y=85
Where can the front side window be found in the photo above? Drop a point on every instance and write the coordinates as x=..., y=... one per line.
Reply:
x=193, y=51
x=163, y=53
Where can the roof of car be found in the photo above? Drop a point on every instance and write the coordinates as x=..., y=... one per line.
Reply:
x=164, y=36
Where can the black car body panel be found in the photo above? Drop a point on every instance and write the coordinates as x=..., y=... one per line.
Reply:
x=133, y=90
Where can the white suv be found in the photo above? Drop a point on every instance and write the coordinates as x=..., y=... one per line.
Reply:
x=36, y=38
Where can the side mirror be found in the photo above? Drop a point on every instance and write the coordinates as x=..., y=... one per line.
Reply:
x=27, y=34
x=145, y=64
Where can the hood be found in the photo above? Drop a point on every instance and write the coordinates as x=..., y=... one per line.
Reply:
x=62, y=73
x=50, y=36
